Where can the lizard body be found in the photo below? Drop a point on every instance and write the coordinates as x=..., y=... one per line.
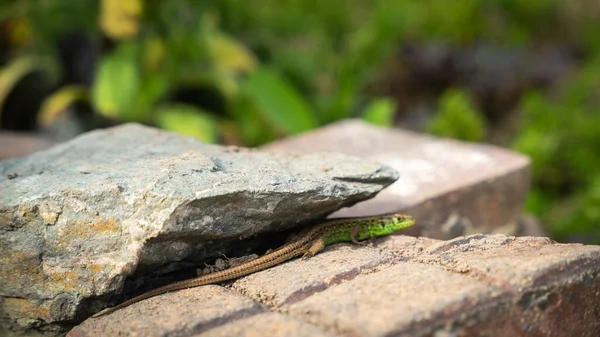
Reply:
x=308, y=243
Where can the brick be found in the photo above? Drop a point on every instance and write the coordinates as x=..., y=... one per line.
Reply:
x=506, y=262
x=453, y=188
x=551, y=289
x=267, y=324
x=185, y=312
x=391, y=301
x=492, y=285
x=296, y=280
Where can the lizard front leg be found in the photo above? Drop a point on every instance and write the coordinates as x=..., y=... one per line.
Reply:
x=353, y=235
x=317, y=246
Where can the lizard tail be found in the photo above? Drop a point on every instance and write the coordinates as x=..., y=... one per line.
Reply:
x=152, y=293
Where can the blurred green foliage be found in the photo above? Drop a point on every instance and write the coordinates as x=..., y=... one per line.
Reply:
x=294, y=65
x=562, y=137
x=247, y=73
x=457, y=118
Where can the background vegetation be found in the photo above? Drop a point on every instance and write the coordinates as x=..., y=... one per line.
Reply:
x=521, y=74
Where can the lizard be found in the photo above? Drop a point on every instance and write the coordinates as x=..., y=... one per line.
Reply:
x=307, y=243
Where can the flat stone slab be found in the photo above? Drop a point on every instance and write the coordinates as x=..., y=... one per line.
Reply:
x=118, y=208
x=492, y=285
x=453, y=188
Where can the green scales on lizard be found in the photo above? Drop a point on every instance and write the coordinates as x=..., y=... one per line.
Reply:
x=308, y=243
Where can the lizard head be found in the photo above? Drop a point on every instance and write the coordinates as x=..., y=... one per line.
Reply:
x=385, y=225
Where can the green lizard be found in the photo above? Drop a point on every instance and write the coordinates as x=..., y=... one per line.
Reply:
x=308, y=243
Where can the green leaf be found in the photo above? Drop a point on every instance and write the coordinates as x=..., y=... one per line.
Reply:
x=457, y=118
x=188, y=120
x=380, y=112
x=154, y=88
x=229, y=54
x=57, y=105
x=117, y=86
x=278, y=102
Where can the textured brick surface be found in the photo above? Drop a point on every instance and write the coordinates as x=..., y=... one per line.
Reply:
x=488, y=285
x=267, y=324
x=544, y=288
x=183, y=313
x=297, y=280
x=453, y=188
x=391, y=301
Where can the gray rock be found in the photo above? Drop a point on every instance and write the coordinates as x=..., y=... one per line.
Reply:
x=80, y=218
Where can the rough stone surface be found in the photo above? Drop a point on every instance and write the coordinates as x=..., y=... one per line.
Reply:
x=480, y=285
x=453, y=188
x=78, y=219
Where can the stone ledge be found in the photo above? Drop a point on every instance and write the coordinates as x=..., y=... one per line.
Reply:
x=453, y=188
x=494, y=285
